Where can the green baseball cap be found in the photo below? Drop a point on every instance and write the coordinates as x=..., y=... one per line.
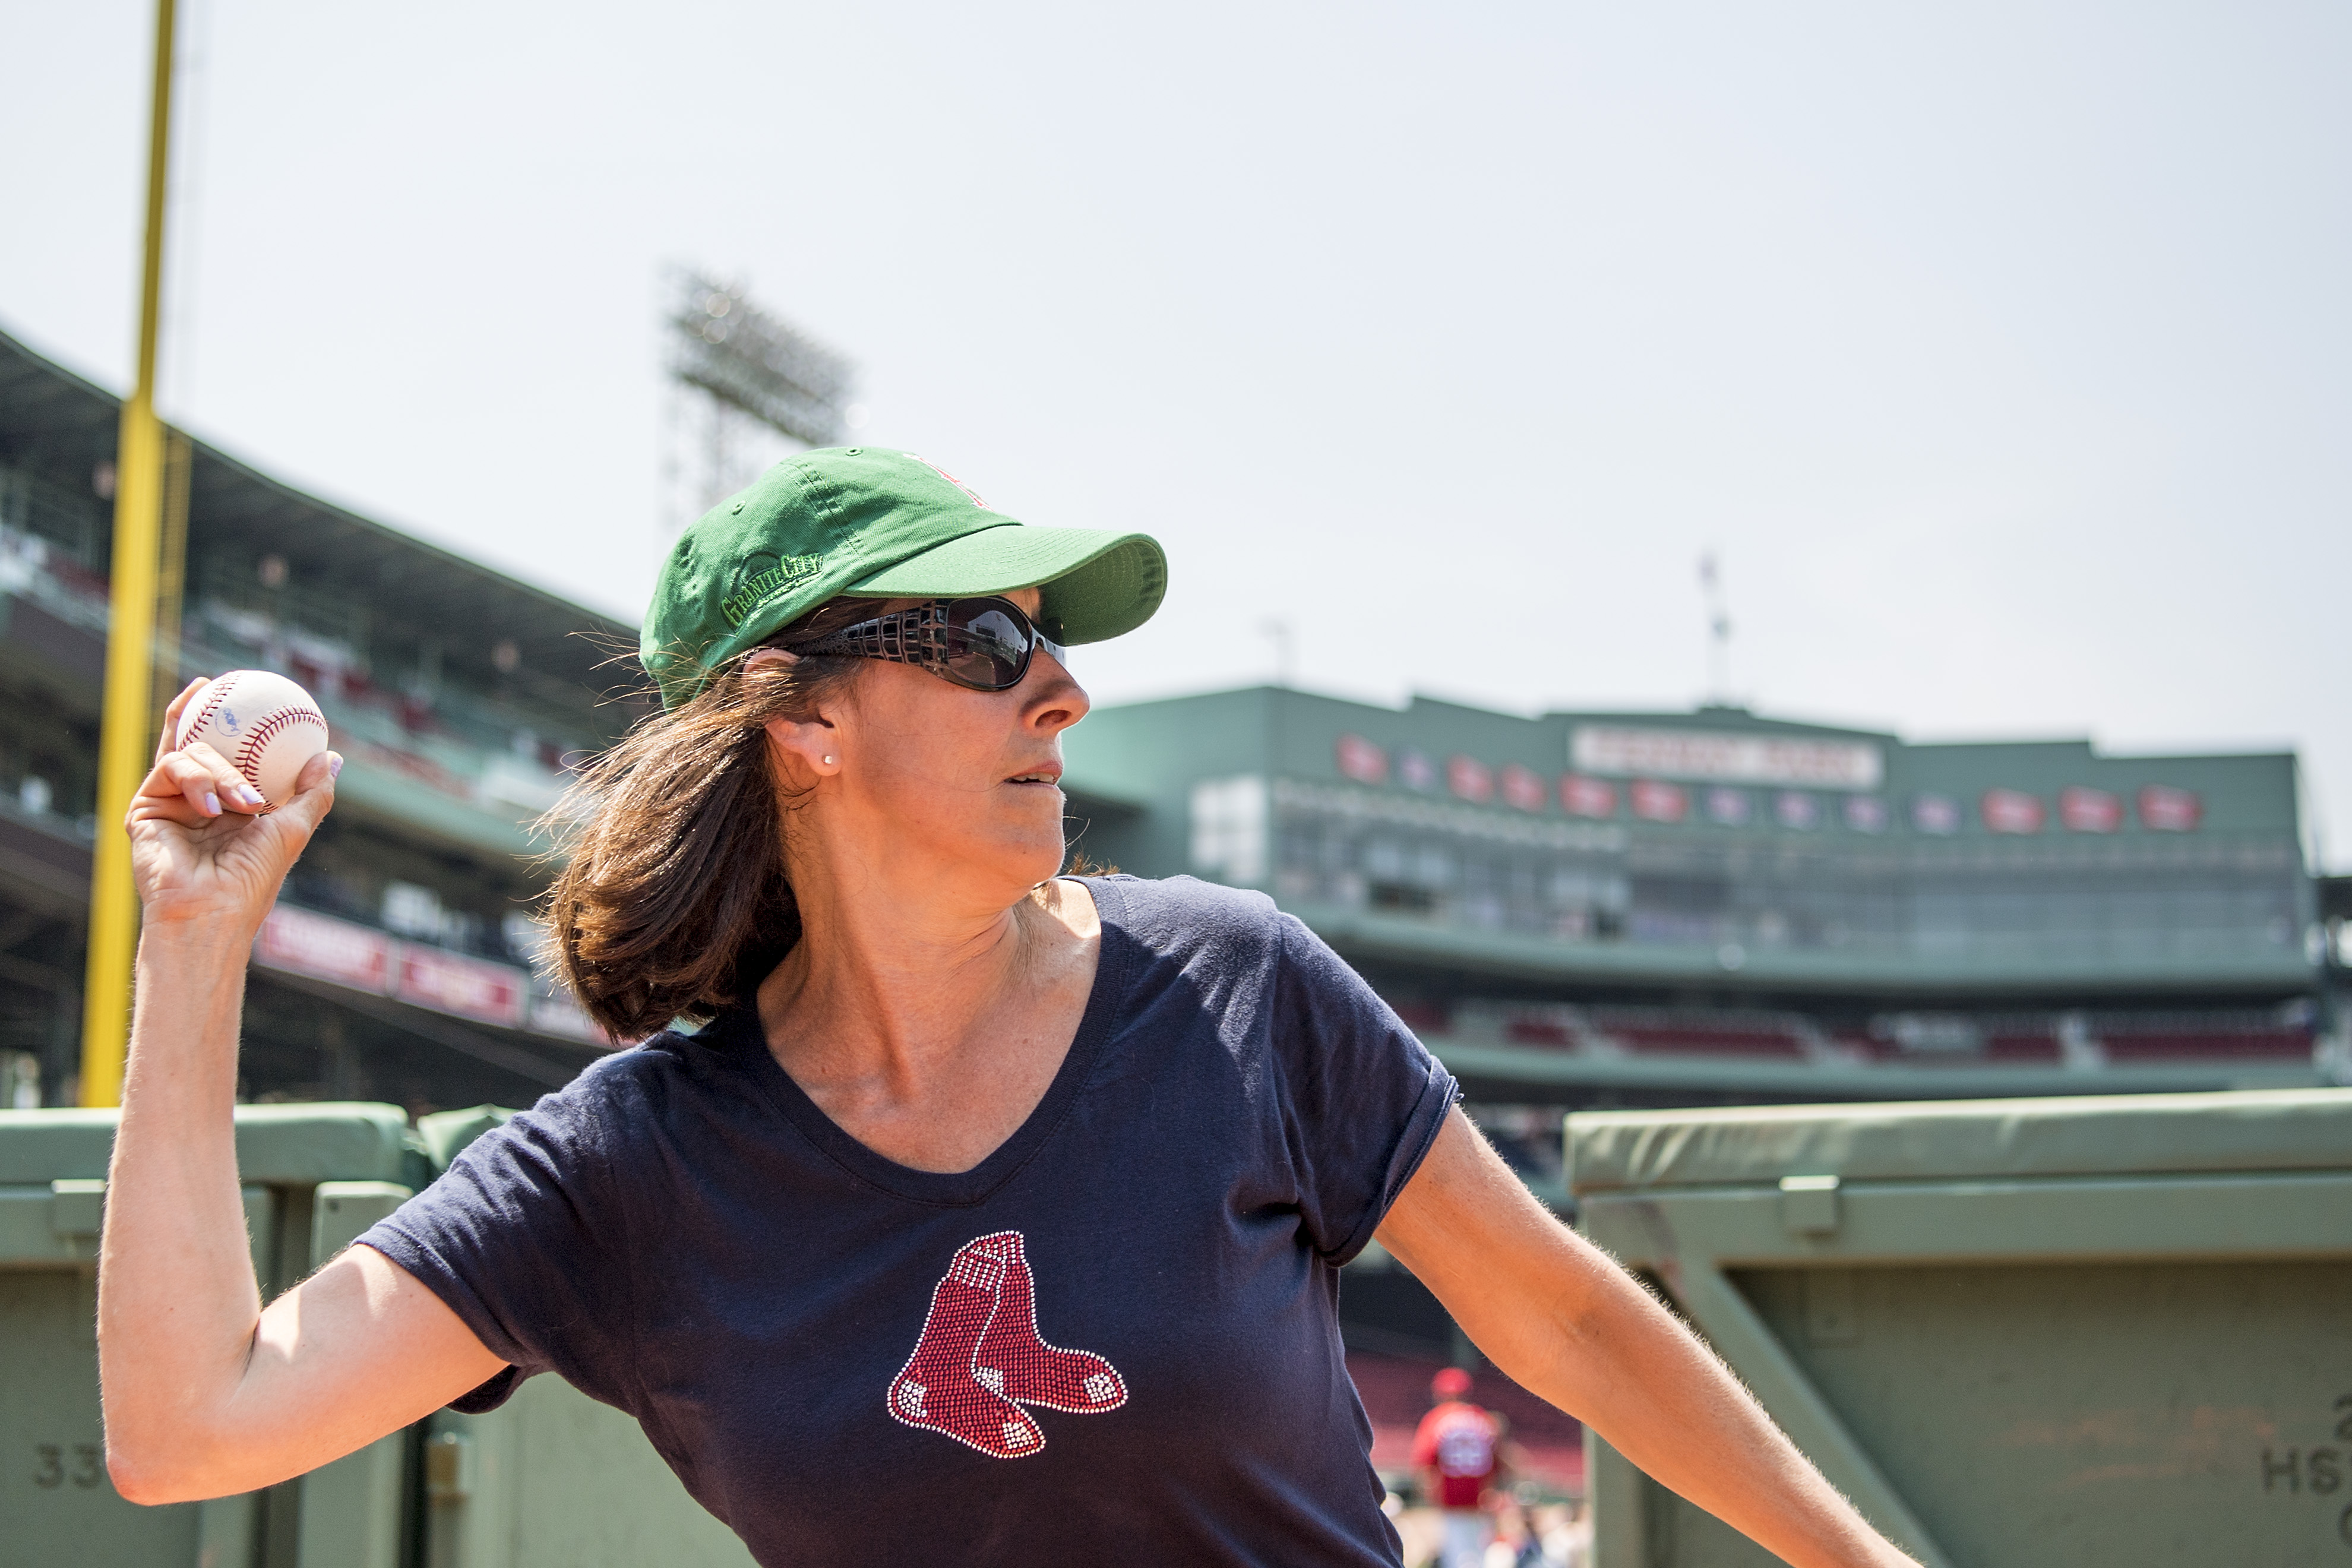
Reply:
x=872, y=524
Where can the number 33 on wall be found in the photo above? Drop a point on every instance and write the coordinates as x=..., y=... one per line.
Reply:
x=51, y=1468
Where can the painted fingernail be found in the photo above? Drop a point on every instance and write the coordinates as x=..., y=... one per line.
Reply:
x=334, y=765
x=212, y=803
x=250, y=795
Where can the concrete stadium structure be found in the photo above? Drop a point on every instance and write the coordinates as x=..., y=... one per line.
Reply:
x=398, y=964
x=1592, y=909
x=1576, y=909
x=1572, y=909
x=1636, y=907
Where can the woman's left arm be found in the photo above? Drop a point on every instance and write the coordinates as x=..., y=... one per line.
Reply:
x=1567, y=1322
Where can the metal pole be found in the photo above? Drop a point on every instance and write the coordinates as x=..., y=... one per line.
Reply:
x=172, y=571
x=123, y=739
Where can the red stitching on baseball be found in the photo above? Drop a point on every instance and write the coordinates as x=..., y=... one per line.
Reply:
x=214, y=695
x=247, y=763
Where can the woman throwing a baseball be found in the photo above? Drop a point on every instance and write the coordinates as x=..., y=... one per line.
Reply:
x=1024, y=1193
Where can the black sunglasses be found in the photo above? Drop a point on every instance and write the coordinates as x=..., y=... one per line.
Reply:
x=983, y=644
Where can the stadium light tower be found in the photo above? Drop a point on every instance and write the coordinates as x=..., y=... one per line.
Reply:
x=747, y=378
x=1719, y=629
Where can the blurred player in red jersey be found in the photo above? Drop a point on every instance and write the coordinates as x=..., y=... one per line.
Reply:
x=1457, y=1452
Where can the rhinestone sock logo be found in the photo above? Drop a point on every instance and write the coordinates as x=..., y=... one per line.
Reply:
x=980, y=1358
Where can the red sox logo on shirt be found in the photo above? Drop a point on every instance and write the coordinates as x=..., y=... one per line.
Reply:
x=981, y=1360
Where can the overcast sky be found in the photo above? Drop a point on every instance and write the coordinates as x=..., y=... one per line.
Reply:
x=2002, y=351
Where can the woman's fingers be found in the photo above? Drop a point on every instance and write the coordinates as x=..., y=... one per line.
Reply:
x=190, y=787
x=229, y=786
x=172, y=715
x=180, y=789
x=314, y=794
x=193, y=787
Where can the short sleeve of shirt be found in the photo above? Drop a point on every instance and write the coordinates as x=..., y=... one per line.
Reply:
x=520, y=1237
x=1363, y=1100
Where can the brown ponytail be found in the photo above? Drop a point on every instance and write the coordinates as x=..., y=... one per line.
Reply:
x=673, y=900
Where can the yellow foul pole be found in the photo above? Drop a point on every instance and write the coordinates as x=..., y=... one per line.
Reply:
x=125, y=742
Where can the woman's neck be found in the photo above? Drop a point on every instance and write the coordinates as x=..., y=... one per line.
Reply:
x=930, y=1032
x=900, y=977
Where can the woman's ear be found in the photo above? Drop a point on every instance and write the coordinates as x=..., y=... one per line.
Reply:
x=812, y=745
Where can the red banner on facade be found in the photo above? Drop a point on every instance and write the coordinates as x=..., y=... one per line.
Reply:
x=1361, y=760
x=2164, y=809
x=1522, y=788
x=2011, y=811
x=343, y=953
x=469, y=987
x=2082, y=810
x=1469, y=778
x=1582, y=796
x=1656, y=801
x=324, y=948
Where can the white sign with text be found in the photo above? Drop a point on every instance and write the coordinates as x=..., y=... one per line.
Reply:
x=1725, y=755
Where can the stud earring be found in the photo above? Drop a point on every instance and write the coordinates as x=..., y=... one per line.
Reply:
x=828, y=761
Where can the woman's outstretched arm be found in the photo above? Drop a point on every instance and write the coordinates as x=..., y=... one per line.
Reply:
x=1564, y=1320
x=206, y=1391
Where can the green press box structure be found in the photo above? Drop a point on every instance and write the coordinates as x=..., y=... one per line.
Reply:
x=2014, y=1333
x=551, y=1478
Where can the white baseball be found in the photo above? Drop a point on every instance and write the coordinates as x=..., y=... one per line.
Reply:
x=265, y=725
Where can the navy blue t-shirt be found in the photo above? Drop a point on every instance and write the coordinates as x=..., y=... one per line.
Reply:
x=1116, y=1336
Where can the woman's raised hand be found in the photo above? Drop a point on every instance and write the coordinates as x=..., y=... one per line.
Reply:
x=201, y=849
x=206, y=1394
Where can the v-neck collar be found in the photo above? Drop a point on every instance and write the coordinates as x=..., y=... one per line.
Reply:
x=742, y=1035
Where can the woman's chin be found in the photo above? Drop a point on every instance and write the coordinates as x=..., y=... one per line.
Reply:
x=1031, y=828
x=1017, y=862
